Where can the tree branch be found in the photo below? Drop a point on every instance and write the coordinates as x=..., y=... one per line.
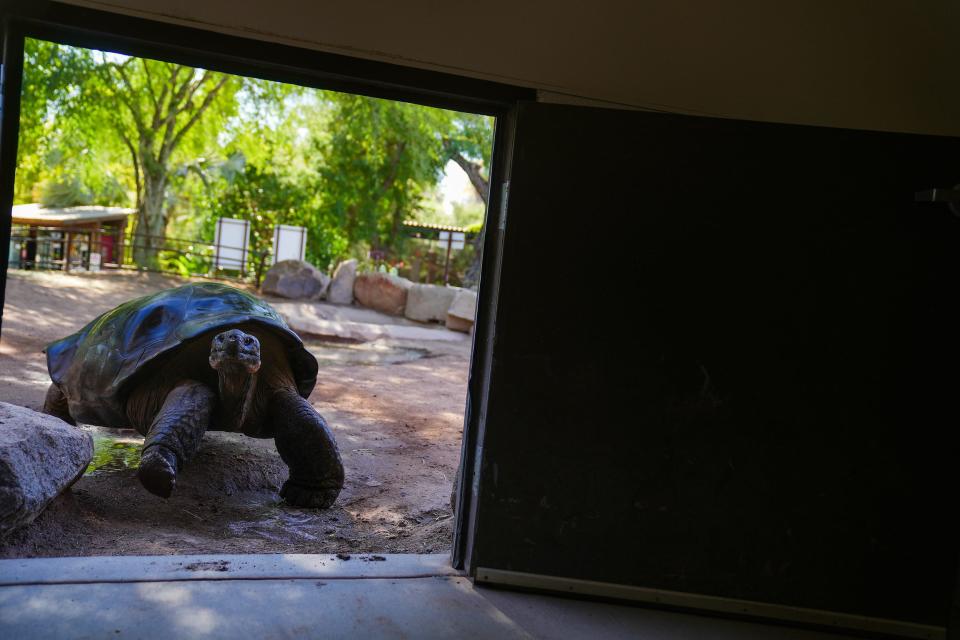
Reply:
x=193, y=89
x=207, y=101
x=171, y=84
x=164, y=88
x=134, y=110
x=473, y=171
x=173, y=106
x=389, y=179
x=482, y=187
x=152, y=93
x=136, y=164
x=121, y=130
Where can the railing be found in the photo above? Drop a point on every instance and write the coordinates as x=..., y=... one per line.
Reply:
x=86, y=249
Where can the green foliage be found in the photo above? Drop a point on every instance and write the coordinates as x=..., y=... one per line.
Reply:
x=462, y=214
x=472, y=136
x=66, y=192
x=186, y=146
x=112, y=456
x=468, y=214
x=52, y=77
x=267, y=197
x=70, y=182
x=184, y=264
x=378, y=159
x=475, y=227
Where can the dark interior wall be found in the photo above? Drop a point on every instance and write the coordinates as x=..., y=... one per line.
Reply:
x=866, y=64
x=726, y=362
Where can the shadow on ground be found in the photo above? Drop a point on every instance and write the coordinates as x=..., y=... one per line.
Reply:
x=396, y=408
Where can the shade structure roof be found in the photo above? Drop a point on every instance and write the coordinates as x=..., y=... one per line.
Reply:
x=37, y=215
x=413, y=224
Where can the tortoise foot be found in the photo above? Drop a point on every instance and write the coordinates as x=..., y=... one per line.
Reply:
x=158, y=471
x=313, y=497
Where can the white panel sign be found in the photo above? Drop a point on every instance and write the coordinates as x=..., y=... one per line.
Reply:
x=94, y=262
x=456, y=242
x=232, y=242
x=289, y=242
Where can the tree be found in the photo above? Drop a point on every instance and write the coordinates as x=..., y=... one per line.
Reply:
x=377, y=159
x=157, y=109
x=269, y=195
x=84, y=111
x=470, y=144
x=52, y=76
x=101, y=127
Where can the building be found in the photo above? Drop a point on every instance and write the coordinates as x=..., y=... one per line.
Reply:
x=69, y=238
x=768, y=426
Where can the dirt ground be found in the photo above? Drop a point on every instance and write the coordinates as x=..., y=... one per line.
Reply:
x=396, y=408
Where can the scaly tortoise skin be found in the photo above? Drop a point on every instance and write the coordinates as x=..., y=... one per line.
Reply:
x=200, y=357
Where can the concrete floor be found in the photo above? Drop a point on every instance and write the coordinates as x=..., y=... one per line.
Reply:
x=307, y=596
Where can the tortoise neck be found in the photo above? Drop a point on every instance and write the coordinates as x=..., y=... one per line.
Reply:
x=237, y=390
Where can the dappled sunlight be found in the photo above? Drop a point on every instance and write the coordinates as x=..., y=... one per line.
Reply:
x=50, y=604
x=171, y=594
x=397, y=423
x=30, y=373
x=198, y=621
x=45, y=605
x=40, y=319
x=28, y=377
x=301, y=525
x=175, y=602
x=322, y=598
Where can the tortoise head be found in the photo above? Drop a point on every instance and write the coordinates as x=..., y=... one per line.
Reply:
x=234, y=349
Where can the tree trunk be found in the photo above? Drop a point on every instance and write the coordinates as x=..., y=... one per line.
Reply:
x=474, y=172
x=482, y=186
x=395, y=226
x=471, y=278
x=151, y=223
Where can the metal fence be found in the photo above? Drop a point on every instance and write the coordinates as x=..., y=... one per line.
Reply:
x=104, y=248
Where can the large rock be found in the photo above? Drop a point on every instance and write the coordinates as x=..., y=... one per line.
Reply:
x=341, y=287
x=40, y=456
x=382, y=292
x=295, y=279
x=462, y=311
x=429, y=302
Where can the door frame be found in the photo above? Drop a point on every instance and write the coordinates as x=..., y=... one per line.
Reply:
x=94, y=29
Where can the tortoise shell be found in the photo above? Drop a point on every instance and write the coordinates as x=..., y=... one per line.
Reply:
x=95, y=366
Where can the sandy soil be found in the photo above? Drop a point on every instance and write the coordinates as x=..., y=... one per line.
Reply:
x=396, y=409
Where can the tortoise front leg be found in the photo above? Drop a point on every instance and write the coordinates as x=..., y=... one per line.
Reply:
x=307, y=446
x=174, y=435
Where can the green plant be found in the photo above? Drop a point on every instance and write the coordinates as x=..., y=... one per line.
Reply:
x=183, y=264
x=64, y=191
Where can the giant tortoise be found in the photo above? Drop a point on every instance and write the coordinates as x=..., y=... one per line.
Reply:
x=200, y=357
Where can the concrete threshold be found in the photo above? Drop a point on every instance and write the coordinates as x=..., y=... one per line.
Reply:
x=311, y=596
x=95, y=569
x=245, y=596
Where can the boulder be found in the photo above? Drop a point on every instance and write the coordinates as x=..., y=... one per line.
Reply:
x=40, y=456
x=295, y=279
x=429, y=302
x=382, y=292
x=462, y=311
x=341, y=287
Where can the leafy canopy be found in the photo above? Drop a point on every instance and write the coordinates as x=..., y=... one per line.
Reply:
x=185, y=146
